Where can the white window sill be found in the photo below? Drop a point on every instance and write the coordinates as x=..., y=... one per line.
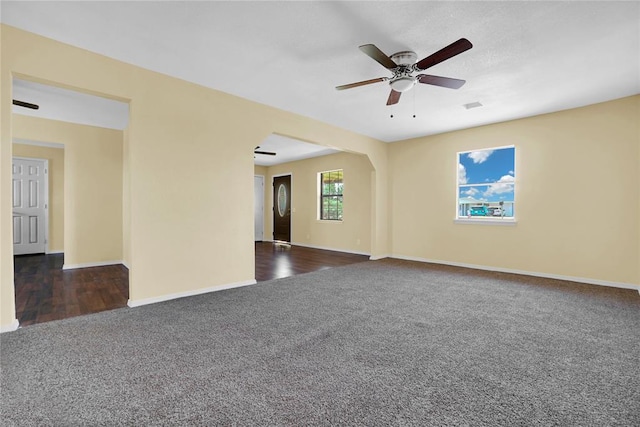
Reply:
x=486, y=221
x=329, y=221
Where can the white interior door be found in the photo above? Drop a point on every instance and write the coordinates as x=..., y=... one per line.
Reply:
x=29, y=205
x=258, y=189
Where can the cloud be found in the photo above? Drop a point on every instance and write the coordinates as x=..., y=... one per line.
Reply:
x=504, y=185
x=480, y=156
x=472, y=191
x=462, y=174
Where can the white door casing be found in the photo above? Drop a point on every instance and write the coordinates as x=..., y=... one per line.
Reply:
x=30, y=188
x=258, y=191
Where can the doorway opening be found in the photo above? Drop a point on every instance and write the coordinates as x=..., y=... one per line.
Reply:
x=77, y=267
x=269, y=157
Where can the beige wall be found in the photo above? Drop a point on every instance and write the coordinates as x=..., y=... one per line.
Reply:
x=92, y=186
x=189, y=189
x=55, y=156
x=353, y=233
x=189, y=158
x=577, y=197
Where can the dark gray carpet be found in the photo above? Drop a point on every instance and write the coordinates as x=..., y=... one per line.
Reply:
x=377, y=343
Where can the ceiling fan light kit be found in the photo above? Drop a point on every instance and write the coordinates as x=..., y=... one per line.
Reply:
x=402, y=84
x=403, y=65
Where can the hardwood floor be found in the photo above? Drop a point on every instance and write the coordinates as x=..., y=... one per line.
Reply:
x=273, y=262
x=45, y=292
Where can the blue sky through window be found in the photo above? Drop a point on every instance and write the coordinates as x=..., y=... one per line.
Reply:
x=487, y=175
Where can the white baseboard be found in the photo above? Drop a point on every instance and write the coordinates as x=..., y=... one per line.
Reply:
x=91, y=264
x=153, y=300
x=54, y=252
x=523, y=272
x=10, y=327
x=377, y=257
x=324, y=248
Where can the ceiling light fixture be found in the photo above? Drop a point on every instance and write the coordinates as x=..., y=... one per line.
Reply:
x=402, y=84
x=403, y=65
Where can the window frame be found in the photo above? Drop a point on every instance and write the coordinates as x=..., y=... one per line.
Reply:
x=489, y=220
x=322, y=196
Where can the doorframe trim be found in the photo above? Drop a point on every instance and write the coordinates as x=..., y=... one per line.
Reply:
x=281, y=174
x=264, y=178
x=38, y=143
x=46, y=197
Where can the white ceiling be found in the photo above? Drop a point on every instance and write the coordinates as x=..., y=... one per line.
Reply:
x=70, y=106
x=76, y=107
x=528, y=57
x=288, y=150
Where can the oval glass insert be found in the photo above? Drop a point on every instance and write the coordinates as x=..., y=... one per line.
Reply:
x=282, y=200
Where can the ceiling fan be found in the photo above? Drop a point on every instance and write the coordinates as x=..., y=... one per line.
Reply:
x=267, y=153
x=25, y=104
x=403, y=65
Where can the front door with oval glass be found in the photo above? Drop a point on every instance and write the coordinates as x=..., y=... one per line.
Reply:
x=282, y=208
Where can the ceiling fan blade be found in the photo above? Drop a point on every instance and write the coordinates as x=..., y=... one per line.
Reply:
x=362, y=83
x=440, y=81
x=394, y=97
x=268, y=153
x=378, y=56
x=25, y=104
x=445, y=53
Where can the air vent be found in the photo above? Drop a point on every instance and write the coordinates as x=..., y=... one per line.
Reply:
x=472, y=105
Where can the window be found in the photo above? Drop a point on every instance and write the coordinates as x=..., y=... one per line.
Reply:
x=331, y=187
x=486, y=183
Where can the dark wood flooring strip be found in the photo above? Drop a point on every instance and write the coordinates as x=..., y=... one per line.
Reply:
x=274, y=262
x=45, y=292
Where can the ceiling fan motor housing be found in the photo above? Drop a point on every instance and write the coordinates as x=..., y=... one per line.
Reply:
x=402, y=79
x=405, y=58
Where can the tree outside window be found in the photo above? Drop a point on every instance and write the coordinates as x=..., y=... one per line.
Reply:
x=331, y=187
